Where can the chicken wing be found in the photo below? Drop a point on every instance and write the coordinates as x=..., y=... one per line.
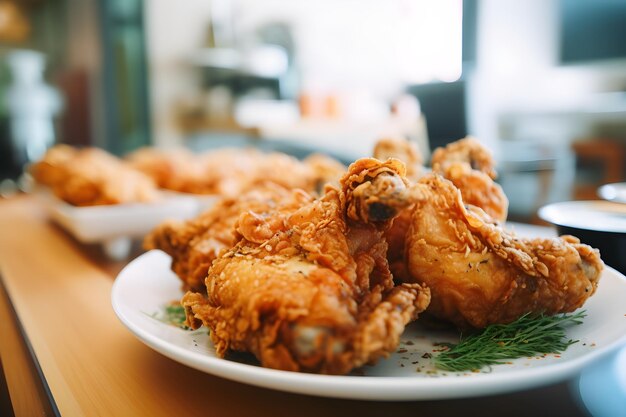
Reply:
x=312, y=291
x=470, y=166
x=480, y=274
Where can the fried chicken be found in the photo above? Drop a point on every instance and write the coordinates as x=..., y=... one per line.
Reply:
x=91, y=176
x=481, y=274
x=310, y=290
x=324, y=170
x=50, y=169
x=407, y=152
x=232, y=171
x=470, y=166
x=404, y=150
x=194, y=244
x=467, y=163
x=173, y=169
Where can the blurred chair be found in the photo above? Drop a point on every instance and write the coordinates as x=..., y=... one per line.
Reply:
x=534, y=173
x=443, y=106
x=598, y=161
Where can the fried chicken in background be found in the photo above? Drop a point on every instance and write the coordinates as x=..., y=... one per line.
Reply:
x=404, y=150
x=231, y=171
x=470, y=166
x=172, y=169
x=480, y=274
x=194, y=244
x=311, y=290
x=50, y=169
x=324, y=170
x=91, y=176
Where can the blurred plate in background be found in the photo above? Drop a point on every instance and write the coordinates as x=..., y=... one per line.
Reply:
x=114, y=226
x=600, y=224
x=613, y=192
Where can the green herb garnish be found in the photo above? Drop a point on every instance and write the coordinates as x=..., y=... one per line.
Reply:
x=525, y=337
x=173, y=314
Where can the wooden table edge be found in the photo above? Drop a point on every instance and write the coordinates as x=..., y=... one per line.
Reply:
x=32, y=395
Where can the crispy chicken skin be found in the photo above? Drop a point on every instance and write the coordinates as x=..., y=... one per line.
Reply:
x=91, y=176
x=404, y=150
x=466, y=162
x=467, y=151
x=311, y=291
x=194, y=244
x=480, y=274
x=470, y=166
x=407, y=152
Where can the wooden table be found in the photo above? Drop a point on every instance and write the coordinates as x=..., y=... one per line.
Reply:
x=64, y=352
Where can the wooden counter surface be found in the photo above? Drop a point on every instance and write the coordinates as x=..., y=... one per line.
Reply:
x=64, y=351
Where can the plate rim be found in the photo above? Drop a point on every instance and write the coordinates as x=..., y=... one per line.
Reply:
x=602, y=191
x=387, y=388
x=546, y=213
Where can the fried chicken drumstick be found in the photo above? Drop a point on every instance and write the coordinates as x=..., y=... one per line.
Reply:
x=466, y=162
x=480, y=274
x=310, y=289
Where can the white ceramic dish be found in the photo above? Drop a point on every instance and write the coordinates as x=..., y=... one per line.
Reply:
x=147, y=284
x=613, y=192
x=203, y=201
x=600, y=216
x=115, y=226
x=600, y=224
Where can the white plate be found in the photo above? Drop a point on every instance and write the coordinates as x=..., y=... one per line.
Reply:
x=613, y=192
x=147, y=284
x=601, y=216
x=114, y=226
x=203, y=201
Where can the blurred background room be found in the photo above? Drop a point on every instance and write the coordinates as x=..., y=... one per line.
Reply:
x=541, y=82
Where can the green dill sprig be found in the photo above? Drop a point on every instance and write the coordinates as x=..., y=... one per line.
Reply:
x=173, y=314
x=525, y=337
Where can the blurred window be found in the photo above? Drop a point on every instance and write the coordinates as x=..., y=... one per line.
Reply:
x=370, y=43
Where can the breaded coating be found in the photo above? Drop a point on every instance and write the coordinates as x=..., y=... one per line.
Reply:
x=481, y=274
x=470, y=166
x=312, y=291
x=404, y=150
x=194, y=244
x=468, y=151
